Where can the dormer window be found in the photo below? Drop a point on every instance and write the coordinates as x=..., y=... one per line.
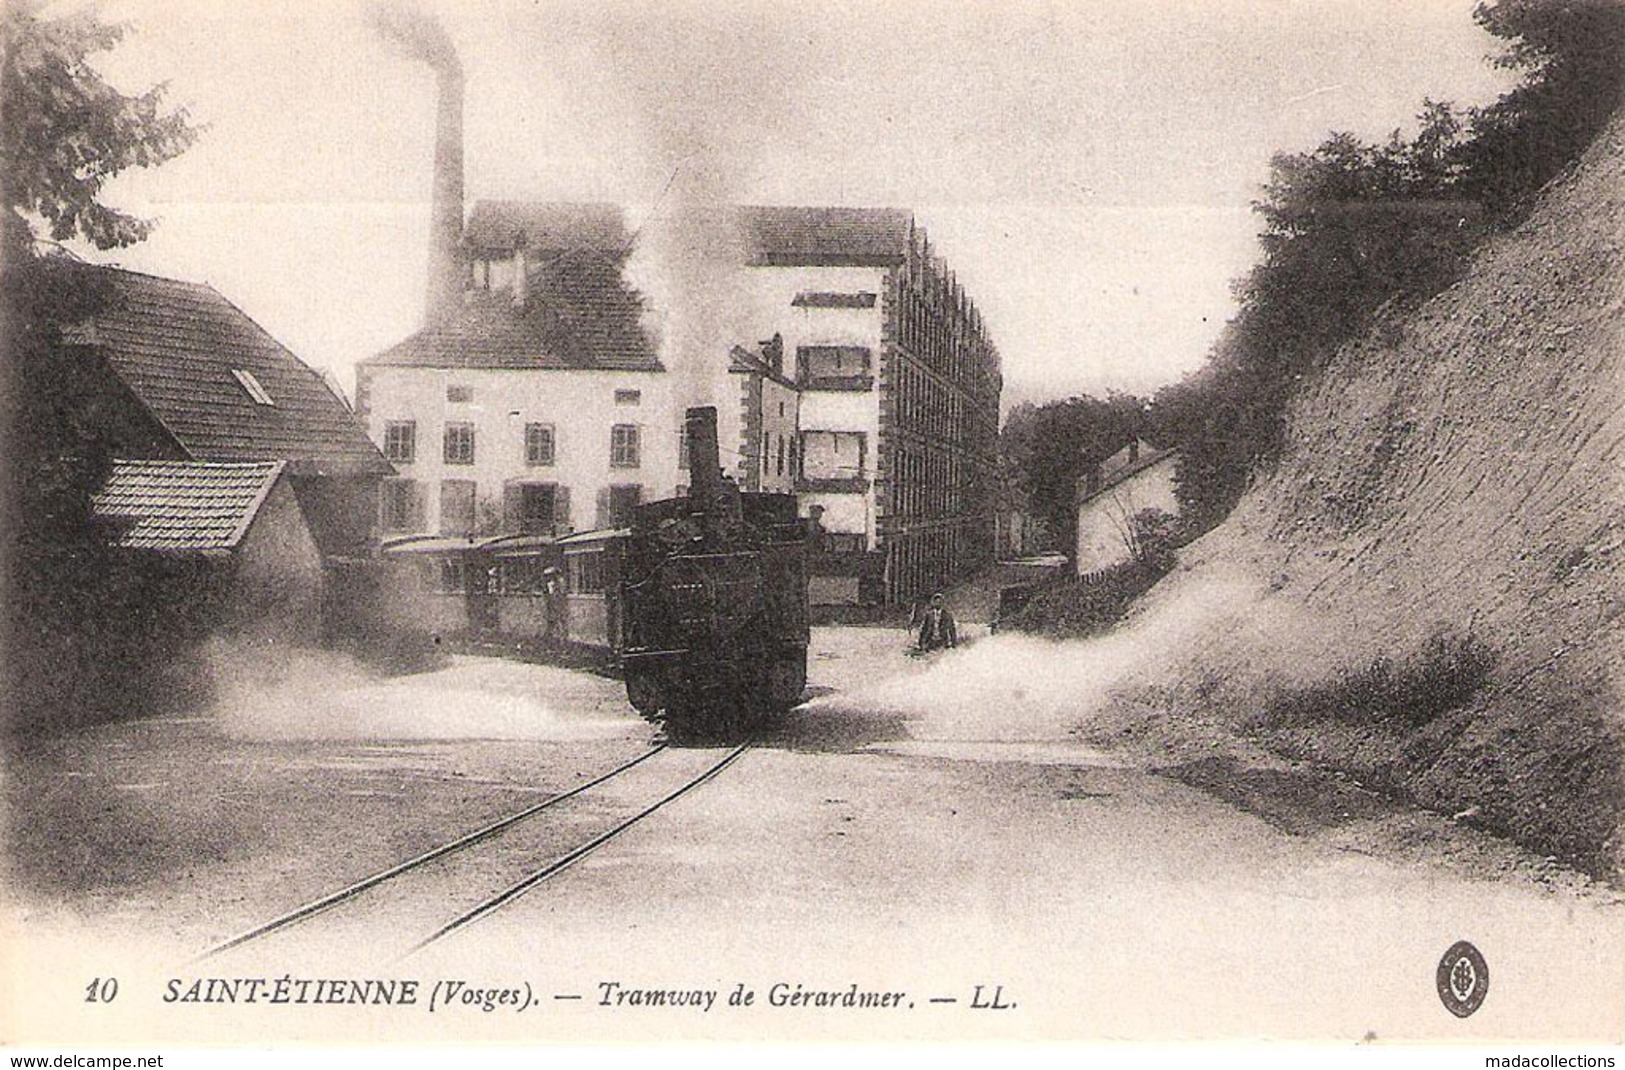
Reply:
x=251, y=386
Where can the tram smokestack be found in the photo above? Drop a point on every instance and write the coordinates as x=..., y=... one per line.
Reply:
x=704, y=458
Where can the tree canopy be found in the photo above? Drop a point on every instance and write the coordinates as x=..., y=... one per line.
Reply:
x=64, y=131
x=1044, y=450
x=1351, y=227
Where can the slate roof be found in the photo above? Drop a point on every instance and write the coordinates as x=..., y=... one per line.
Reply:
x=826, y=237
x=582, y=314
x=592, y=325
x=177, y=345
x=184, y=506
x=548, y=227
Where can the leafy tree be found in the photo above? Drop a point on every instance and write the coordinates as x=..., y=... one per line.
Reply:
x=1572, y=57
x=1352, y=227
x=63, y=133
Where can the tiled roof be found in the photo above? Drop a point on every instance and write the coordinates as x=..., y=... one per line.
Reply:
x=860, y=237
x=183, y=505
x=178, y=347
x=581, y=315
x=1119, y=469
x=548, y=227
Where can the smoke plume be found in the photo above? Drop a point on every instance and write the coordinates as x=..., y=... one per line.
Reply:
x=689, y=265
x=418, y=34
x=706, y=97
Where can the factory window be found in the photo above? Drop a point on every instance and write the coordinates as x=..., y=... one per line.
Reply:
x=401, y=441
x=538, y=444
x=628, y=397
x=781, y=455
x=536, y=508
x=251, y=386
x=832, y=454
x=623, y=501
x=456, y=506
x=833, y=367
x=459, y=394
x=452, y=575
x=824, y=299
x=459, y=446
x=623, y=446
x=401, y=505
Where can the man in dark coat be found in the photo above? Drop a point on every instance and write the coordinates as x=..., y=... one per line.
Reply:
x=937, y=627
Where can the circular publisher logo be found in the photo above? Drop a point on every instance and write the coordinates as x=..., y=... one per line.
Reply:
x=1464, y=979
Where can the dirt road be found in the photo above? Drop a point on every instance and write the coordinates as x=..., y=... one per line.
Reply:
x=872, y=869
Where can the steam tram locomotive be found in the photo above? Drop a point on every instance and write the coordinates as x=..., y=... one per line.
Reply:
x=710, y=605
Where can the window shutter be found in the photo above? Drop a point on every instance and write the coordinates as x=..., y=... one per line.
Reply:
x=602, y=517
x=561, y=510
x=511, y=494
x=414, y=506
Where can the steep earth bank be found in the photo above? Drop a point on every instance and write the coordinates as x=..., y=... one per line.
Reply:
x=1458, y=471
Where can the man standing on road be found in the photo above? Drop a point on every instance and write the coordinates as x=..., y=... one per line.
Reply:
x=553, y=602
x=937, y=628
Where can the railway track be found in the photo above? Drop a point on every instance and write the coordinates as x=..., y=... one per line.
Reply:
x=499, y=858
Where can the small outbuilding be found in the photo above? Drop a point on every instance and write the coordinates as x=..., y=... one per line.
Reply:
x=1136, y=477
x=230, y=536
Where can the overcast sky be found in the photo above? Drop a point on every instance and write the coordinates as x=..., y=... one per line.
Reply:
x=1085, y=166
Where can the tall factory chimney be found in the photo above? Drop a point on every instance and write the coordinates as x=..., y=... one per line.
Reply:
x=446, y=267
x=421, y=37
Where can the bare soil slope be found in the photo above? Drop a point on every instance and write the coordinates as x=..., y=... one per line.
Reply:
x=1461, y=468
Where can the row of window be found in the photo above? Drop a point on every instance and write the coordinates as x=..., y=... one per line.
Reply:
x=584, y=573
x=784, y=450
x=460, y=394
x=540, y=444
x=527, y=508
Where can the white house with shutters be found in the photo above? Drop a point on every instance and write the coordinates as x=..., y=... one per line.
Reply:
x=537, y=409
x=486, y=451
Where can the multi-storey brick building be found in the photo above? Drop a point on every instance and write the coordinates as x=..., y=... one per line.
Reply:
x=899, y=390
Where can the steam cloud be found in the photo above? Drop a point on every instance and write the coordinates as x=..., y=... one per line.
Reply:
x=706, y=105
x=1018, y=688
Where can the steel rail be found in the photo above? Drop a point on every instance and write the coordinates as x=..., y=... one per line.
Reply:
x=565, y=861
x=350, y=891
